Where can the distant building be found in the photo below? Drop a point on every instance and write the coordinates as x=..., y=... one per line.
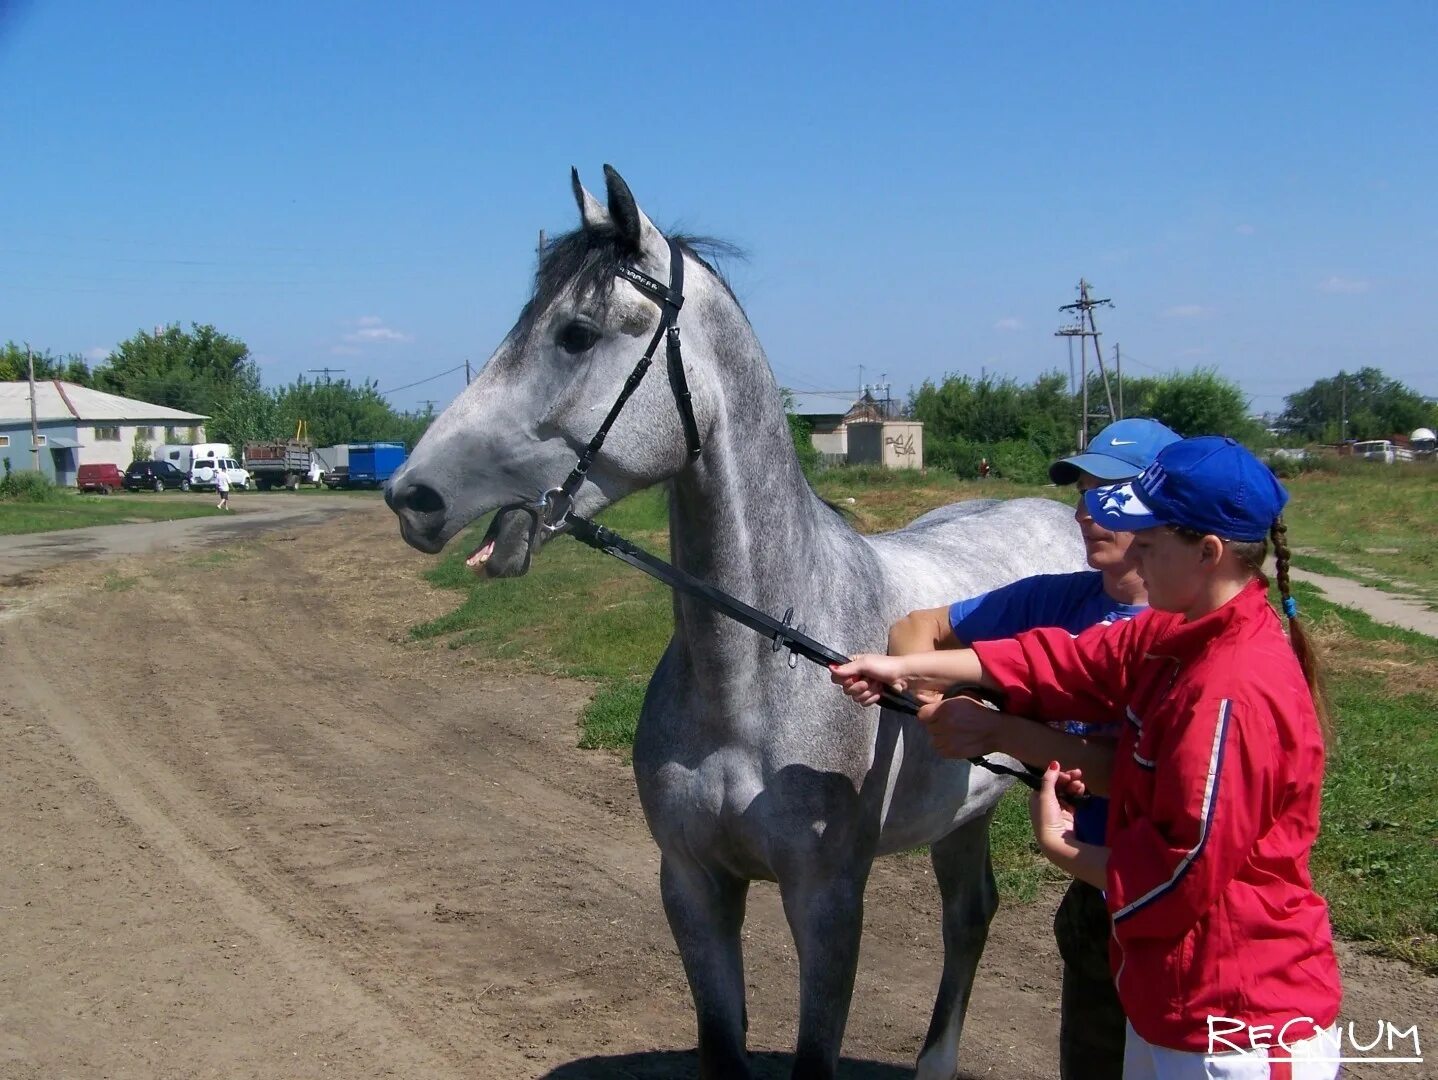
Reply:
x=881, y=439
x=79, y=426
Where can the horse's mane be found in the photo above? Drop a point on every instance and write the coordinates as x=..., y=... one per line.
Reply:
x=587, y=260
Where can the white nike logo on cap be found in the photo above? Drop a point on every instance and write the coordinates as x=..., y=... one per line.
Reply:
x=1122, y=442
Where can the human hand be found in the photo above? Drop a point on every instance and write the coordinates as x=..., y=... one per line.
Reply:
x=1052, y=821
x=961, y=727
x=867, y=674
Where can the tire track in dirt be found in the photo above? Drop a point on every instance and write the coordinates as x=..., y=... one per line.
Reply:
x=255, y=900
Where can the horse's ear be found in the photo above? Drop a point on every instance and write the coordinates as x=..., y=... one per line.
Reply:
x=591, y=213
x=636, y=230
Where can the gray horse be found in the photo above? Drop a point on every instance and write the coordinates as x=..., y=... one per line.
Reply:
x=747, y=768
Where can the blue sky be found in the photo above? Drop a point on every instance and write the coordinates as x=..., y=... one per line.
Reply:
x=919, y=187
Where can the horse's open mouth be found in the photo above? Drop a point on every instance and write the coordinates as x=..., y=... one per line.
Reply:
x=505, y=549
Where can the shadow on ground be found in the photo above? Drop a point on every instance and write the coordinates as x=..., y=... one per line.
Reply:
x=681, y=1065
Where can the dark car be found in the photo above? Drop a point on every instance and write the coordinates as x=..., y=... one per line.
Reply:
x=155, y=476
x=103, y=478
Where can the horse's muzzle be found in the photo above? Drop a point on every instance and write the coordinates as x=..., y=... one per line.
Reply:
x=421, y=511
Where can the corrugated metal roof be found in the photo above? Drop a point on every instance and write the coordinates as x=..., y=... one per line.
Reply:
x=56, y=400
x=823, y=402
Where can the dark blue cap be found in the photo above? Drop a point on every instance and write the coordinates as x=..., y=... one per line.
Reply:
x=1210, y=484
x=1120, y=451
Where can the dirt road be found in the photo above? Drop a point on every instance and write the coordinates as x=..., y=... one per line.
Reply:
x=27, y=552
x=252, y=831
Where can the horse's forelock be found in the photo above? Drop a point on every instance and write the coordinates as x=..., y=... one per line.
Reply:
x=587, y=260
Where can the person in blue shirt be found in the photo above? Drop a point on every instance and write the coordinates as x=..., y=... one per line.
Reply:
x=1092, y=1026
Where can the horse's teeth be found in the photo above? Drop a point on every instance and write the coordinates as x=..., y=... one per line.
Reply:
x=480, y=556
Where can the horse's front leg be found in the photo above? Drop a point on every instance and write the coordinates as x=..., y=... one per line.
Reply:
x=966, y=884
x=705, y=906
x=825, y=909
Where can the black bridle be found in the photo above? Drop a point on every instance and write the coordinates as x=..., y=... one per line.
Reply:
x=553, y=512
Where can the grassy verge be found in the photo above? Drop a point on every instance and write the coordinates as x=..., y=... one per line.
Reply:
x=581, y=615
x=71, y=510
x=1371, y=523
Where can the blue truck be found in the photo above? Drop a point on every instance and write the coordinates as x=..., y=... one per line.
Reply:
x=371, y=464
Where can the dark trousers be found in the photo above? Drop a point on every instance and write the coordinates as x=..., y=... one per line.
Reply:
x=1092, y=1025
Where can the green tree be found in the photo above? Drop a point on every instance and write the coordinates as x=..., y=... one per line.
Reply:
x=1199, y=402
x=193, y=369
x=1375, y=405
x=14, y=366
x=338, y=411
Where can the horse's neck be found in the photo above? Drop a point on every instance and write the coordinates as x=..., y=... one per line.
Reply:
x=743, y=517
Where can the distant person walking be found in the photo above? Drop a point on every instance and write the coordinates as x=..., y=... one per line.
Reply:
x=222, y=485
x=983, y=468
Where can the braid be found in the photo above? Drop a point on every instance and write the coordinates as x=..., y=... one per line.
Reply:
x=1297, y=637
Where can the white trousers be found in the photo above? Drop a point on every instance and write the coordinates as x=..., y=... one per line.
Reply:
x=1311, y=1059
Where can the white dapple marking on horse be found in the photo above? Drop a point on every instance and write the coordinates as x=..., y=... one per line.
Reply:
x=747, y=769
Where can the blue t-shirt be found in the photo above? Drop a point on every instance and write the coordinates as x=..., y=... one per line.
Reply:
x=1073, y=602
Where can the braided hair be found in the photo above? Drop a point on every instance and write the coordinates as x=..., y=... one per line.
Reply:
x=1297, y=637
x=1254, y=553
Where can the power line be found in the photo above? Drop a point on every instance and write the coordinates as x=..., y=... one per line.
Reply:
x=421, y=382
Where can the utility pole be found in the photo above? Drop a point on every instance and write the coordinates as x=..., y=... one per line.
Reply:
x=1342, y=384
x=326, y=371
x=1118, y=374
x=34, y=423
x=1084, y=328
x=539, y=251
x=466, y=371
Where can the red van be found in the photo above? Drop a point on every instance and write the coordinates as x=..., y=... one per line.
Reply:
x=101, y=478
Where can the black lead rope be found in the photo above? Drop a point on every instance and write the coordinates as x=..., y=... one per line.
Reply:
x=782, y=633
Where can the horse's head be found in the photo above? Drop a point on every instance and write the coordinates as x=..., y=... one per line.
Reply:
x=518, y=429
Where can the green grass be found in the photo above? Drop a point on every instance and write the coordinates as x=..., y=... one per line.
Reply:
x=221, y=557
x=71, y=510
x=577, y=613
x=1377, y=857
x=582, y=615
x=1373, y=523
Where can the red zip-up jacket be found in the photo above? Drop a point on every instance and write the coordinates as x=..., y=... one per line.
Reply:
x=1213, y=812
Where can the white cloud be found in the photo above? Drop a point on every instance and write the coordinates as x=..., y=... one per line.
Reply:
x=1245, y=229
x=96, y=354
x=376, y=333
x=1186, y=311
x=1336, y=284
x=371, y=330
x=1009, y=323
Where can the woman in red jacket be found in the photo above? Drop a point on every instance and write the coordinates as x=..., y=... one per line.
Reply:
x=1222, y=951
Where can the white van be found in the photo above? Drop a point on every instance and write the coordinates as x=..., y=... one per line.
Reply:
x=1382, y=450
x=184, y=455
x=202, y=473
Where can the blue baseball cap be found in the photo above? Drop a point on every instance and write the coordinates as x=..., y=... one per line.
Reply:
x=1120, y=451
x=1209, y=484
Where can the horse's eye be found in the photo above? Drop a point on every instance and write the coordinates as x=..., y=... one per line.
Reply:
x=577, y=338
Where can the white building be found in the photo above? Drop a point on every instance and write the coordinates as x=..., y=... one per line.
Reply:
x=79, y=426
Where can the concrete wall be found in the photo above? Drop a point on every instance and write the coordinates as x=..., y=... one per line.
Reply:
x=894, y=444
x=831, y=442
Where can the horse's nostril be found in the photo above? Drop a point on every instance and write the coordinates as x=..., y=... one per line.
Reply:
x=423, y=499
